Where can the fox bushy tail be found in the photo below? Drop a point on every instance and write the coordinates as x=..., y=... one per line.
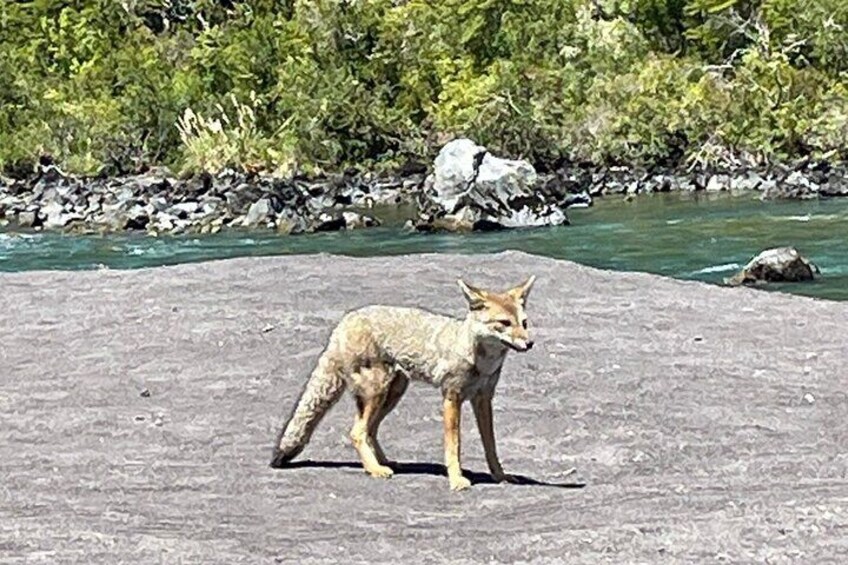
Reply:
x=322, y=391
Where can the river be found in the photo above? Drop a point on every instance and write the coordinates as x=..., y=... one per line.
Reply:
x=688, y=236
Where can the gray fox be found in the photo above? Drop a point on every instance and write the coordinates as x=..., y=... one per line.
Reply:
x=376, y=350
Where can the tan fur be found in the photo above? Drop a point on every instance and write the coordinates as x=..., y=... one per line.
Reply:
x=376, y=350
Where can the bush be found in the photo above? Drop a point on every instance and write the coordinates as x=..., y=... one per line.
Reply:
x=326, y=85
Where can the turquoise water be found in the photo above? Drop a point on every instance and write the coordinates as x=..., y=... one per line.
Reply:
x=689, y=236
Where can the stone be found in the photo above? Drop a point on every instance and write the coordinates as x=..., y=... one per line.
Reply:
x=795, y=186
x=259, y=213
x=354, y=220
x=470, y=186
x=836, y=185
x=28, y=218
x=779, y=264
x=136, y=218
x=455, y=169
x=718, y=183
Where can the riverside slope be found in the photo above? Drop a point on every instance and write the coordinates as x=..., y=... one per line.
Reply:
x=703, y=422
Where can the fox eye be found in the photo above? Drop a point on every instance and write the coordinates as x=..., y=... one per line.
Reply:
x=504, y=323
x=524, y=324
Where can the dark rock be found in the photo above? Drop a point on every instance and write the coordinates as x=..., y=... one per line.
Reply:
x=835, y=182
x=150, y=184
x=448, y=222
x=780, y=264
x=240, y=198
x=50, y=174
x=328, y=222
x=581, y=200
x=795, y=186
x=136, y=218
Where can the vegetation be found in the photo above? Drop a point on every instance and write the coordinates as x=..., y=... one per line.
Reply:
x=110, y=85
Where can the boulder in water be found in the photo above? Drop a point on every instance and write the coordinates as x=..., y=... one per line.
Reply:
x=779, y=264
x=471, y=188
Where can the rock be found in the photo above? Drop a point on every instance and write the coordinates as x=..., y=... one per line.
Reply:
x=795, y=186
x=259, y=213
x=329, y=222
x=718, y=183
x=449, y=222
x=50, y=174
x=93, y=204
x=836, y=185
x=502, y=179
x=159, y=203
x=354, y=220
x=28, y=218
x=470, y=186
x=284, y=226
x=751, y=180
x=150, y=184
x=165, y=222
x=7, y=204
x=51, y=213
x=661, y=183
x=211, y=205
x=240, y=198
x=184, y=210
x=455, y=169
x=580, y=200
x=780, y=264
x=136, y=218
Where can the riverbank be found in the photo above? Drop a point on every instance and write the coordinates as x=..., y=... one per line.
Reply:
x=139, y=408
x=157, y=202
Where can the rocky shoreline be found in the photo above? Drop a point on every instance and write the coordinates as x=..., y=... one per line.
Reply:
x=466, y=189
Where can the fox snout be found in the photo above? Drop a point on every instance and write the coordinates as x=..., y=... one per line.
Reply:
x=521, y=344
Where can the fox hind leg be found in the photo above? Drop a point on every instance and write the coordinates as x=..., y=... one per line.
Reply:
x=396, y=390
x=370, y=386
x=367, y=408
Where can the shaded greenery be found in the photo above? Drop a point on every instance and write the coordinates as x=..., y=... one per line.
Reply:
x=322, y=85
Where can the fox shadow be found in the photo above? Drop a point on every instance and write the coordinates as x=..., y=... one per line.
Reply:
x=432, y=469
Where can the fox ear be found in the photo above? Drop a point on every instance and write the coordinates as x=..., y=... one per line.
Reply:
x=476, y=297
x=522, y=291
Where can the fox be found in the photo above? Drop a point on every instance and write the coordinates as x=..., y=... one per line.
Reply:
x=376, y=350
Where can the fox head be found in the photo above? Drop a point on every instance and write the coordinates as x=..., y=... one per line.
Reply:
x=499, y=316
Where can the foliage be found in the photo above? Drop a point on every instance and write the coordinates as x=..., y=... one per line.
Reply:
x=102, y=85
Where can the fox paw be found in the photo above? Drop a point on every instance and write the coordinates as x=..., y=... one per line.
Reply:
x=381, y=472
x=459, y=483
x=504, y=478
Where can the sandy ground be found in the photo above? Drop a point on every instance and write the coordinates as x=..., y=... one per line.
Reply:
x=705, y=424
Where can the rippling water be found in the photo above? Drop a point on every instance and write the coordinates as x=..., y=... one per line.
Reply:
x=689, y=236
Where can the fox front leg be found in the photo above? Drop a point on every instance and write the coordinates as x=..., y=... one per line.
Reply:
x=482, y=404
x=451, y=409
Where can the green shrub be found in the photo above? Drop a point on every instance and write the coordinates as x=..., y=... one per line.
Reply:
x=325, y=85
